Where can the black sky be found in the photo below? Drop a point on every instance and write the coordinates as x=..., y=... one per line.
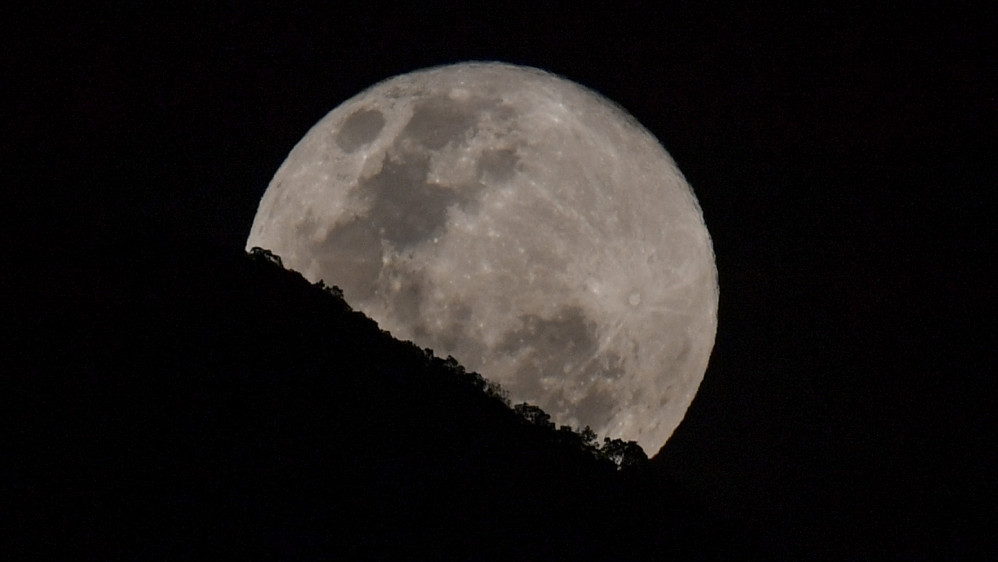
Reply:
x=843, y=159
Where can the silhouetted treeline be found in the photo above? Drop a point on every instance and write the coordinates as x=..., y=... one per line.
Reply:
x=625, y=455
x=188, y=404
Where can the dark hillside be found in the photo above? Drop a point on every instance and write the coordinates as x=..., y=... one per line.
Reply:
x=208, y=404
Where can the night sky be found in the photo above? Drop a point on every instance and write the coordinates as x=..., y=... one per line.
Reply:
x=842, y=158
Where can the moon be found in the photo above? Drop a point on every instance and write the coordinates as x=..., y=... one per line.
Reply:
x=515, y=220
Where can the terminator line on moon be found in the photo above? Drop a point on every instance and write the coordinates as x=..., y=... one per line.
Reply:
x=519, y=222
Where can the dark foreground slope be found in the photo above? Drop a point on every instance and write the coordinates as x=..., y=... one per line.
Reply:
x=187, y=403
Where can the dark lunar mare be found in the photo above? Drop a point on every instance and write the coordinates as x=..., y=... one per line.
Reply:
x=403, y=209
x=567, y=339
x=360, y=129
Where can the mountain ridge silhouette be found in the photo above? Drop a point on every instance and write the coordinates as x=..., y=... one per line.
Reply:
x=208, y=402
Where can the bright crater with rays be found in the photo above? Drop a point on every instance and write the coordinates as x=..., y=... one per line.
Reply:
x=519, y=222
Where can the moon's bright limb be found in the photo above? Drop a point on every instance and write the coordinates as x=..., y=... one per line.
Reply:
x=519, y=222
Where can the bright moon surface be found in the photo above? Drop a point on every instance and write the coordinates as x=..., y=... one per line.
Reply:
x=519, y=222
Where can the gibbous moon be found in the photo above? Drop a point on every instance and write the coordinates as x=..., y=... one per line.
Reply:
x=519, y=222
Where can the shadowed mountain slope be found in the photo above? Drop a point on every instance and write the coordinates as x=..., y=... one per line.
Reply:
x=199, y=403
